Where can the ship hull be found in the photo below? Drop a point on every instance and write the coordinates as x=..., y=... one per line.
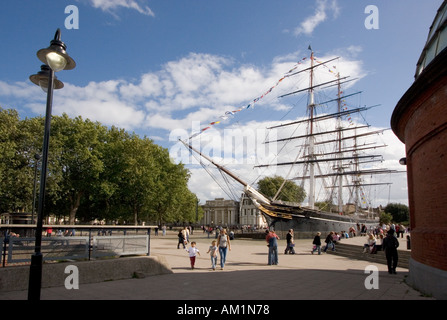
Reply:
x=309, y=221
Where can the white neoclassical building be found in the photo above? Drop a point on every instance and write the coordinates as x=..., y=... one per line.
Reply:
x=249, y=215
x=221, y=212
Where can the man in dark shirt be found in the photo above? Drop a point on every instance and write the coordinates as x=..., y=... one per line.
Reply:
x=390, y=245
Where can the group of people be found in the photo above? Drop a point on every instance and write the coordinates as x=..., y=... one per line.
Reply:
x=399, y=229
x=221, y=245
x=389, y=244
x=330, y=241
x=272, y=243
x=272, y=238
x=223, y=242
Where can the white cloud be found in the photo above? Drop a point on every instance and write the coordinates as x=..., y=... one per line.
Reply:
x=197, y=87
x=25, y=90
x=110, y=5
x=320, y=15
x=149, y=86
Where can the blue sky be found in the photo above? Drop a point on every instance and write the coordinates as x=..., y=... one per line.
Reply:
x=155, y=67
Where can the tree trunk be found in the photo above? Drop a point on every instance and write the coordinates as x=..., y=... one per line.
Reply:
x=135, y=214
x=75, y=201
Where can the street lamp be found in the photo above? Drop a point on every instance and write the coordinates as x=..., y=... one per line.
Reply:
x=55, y=59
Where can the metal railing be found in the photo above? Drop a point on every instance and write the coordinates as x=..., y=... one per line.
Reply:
x=120, y=246
x=96, y=244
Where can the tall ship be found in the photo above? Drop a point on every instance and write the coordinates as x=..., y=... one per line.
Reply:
x=323, y=150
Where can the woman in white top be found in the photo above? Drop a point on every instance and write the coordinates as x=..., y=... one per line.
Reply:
x=223, y=242
x=368, y=247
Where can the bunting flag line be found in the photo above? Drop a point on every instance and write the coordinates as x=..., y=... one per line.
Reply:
x=348, y=116
x=328, y=68
x=229, y=114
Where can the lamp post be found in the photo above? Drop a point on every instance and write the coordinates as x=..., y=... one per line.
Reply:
x=55, y=59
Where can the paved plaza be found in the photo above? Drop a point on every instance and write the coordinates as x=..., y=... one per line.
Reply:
x=246, y=276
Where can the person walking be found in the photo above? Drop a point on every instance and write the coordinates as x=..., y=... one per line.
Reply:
x=181, y=240
x=272, y=239
x=212, y=250
x=193, y=251
x=185, y=233
x=329, y=242
x=290, y=243
x=317, y=243
x=223, y=241
x=390, y=245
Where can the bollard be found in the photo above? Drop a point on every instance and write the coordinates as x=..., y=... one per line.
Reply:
x=408, y=243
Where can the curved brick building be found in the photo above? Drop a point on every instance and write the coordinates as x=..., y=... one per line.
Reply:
x=420, y=121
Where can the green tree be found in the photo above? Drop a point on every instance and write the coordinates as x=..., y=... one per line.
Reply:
x=10, y=161
x=77, y=145
x=138, y=178
x=174, y=201
x=93, y=172
x=269, y=186
x=398, y=211
x=104, y=200
x=324, y=205
x=385, y=218
x=18, y=146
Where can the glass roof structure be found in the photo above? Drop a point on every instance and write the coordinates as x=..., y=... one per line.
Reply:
x=436, y=41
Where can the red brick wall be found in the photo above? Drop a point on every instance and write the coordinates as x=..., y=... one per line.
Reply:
x=424, y=128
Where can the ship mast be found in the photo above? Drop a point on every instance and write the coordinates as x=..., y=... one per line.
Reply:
x=311, y=153
x=340, y=167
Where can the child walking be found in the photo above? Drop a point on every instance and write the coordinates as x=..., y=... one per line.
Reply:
x=193, y=251
x=317, y=243
x=213, y=254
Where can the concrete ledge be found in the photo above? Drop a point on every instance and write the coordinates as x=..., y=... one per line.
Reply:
x=53, y=274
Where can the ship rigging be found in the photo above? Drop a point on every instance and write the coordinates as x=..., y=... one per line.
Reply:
x=343, y=166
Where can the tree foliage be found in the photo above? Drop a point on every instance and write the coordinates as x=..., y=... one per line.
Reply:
x=399, y=212
x=269, y=186
x=385, y=218
x=94, y=172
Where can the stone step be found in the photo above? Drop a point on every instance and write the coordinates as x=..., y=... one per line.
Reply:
x=356, y=252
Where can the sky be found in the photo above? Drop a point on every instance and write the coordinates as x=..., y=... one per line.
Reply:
x=167, y=69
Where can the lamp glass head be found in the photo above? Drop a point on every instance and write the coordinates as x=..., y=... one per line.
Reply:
x=56, y=61
x=43, y=84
